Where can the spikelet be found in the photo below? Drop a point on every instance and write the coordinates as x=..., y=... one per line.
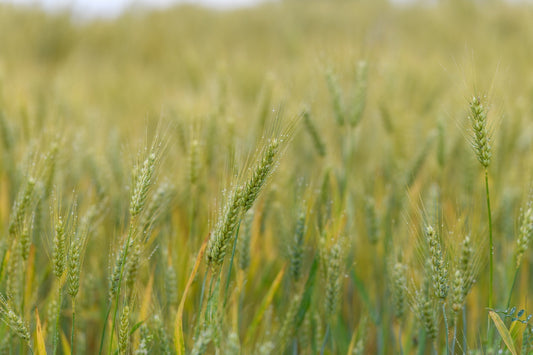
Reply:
x=51, y=315
x=13, y=321
x=458, y=294
x=145, y=342
x=171, y=285
x=525, y=234
x=439, y=268
x=266, y=348
x=233, y=346
x=117, y=269
x=481, y=138
x=288, y=327
x=305, y=332
x=203, y=340
x=142, y=183
x=313, y=132
x=318, y=330
x=132, y=266
x=260, y=174
x=159, y=202
x=362, y=330
x=336, y=96
x=426, y=314
x=244, y=241
x=360, y=93
x=59, y=253
x=334, y=270
x=73, y=272
x=162, y=337
x=25, y=241
x=21, y=205
x=296, y=248
x=14, y=275
x=124, y=330
x=77, y=249
x=465, y=265
x=372, y=225
x=399, y=289
x=77, y=246
x=222, y=235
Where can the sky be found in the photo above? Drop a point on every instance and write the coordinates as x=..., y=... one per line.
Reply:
x=112, y=8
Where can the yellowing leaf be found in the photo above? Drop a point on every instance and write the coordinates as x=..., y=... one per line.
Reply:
x=65, y=344
x=504, y=332
x=180, y=342
x=40, y=347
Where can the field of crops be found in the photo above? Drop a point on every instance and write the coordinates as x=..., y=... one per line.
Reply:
x=299, y=177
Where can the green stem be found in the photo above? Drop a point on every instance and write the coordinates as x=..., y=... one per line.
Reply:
x=231, y=263
x=202, y=293
x=445, y=326
x=512, y=287
x=454, y=334
x=209, y=294
x=491, y=255
x=400, y=339
x=102, y=337
x=192, y=215
x=117, y=297
x=58, y=316
x=73, y=326
x=465, y=342
x=491, y=245
x=324, y=343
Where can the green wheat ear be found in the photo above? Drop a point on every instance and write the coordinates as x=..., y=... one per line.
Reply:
x=525, y=234
x=481, y=138
x=14, y=321
x=439, y=267
x=481, y=144
x=359, y=102
x=399, y=289
x=124, y=331
x=296, y=248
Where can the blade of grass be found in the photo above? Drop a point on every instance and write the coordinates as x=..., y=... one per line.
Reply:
x=503, y=331
x=264, y=305
x=40, y=346
x=180, y=343
x=65, y=344
x=308, y=292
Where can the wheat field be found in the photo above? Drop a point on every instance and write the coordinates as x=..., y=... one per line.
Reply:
x=297, y=177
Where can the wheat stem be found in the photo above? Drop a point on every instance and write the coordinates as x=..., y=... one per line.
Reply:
x=73, y=326
x=325, y=342
x=445, y=326
x=231, y=262
x=491, y=245
x=465, y=341
x=58, y=316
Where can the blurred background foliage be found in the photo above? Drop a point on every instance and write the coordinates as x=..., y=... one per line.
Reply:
x=216, y=78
